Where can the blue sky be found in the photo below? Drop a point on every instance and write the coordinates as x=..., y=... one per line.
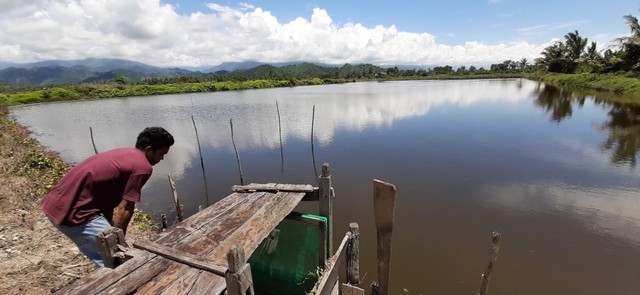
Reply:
x=458, y=21
x=205, y=33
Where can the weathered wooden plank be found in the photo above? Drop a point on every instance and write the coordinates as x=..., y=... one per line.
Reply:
x=181, y=286
x=258, y=226
x=330, y=276
x=104, y=277
x=187, y=258
x=133, y=279
x=306, y=188
x=208, y=283
x=241, y=219
x=346, y=289
x=200, y=241
x=384, y=198
x=247, y=237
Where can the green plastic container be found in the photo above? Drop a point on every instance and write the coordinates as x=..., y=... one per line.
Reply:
x=288, y=260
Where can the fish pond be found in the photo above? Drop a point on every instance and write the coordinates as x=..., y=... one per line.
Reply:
x=554, y=172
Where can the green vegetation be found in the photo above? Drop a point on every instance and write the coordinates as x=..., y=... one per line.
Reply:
x=144, y=221
x=618, y=83
x=118, y=89
x=574, y=63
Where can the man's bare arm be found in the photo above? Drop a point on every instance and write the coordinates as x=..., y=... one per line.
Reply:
x=123, y=215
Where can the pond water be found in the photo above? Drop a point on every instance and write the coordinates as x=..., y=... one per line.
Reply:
x=553, y=172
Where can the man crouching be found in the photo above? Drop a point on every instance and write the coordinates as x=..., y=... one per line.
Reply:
x=81, y=205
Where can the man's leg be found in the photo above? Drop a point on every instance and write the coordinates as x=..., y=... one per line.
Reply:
x=84, y=236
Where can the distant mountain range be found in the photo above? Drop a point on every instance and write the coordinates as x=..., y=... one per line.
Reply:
x=102, y=69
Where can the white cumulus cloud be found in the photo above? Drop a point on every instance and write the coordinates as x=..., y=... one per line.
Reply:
x=151, y=32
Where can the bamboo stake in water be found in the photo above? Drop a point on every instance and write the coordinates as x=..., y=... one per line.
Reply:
x=176, y=201
x=281, y=150
x=237, y=155
x=204, y=176
x=486, y=277
x=93, y=142
x=313, y=154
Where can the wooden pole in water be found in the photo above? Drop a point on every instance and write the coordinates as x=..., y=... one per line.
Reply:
x=176, y=201
x=281, y=149
x=353, y=255
x=384, y=198
x=93, y=142
x=237, y=155
x=326, y=204
x=486, y=276
x=313, y=154
x=163, y=221
x=204, y=175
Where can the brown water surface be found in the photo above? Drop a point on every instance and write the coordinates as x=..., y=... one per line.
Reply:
x=553, y=172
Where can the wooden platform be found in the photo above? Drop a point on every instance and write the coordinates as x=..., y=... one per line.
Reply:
x=191, y=257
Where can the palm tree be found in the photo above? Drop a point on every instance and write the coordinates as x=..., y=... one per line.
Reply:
x=553, y=58
x=575, y=47
x=592, y=58
x=632, y=22
x=631, y=44
x=522, y=64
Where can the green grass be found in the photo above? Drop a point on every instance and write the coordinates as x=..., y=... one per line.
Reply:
x=618, y=87
x=92, y=91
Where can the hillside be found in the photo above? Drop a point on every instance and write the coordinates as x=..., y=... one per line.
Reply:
x=98, y=70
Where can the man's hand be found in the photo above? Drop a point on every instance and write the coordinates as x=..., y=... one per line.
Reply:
x=123, y=215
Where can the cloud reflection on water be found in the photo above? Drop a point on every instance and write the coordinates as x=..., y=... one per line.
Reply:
x=353, y=107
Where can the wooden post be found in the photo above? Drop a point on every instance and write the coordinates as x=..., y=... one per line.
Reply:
x=375, y=288
x=384, y=198
x=204, y=176
x=353, y=255
x=93, y=142
x=238, y=276
x=236, y=149
x=163, y=217
x=326, y=204
x=313, y=154
x=486, y=277
x=108, y=241
x=176, y=201
x=281, y=149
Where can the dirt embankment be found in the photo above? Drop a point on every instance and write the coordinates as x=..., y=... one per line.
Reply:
x=35, y=258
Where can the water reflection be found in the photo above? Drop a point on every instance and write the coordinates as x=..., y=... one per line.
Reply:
x=607, y=211
x=624, y=134
x=64, y=127
x=622, y=124
x=468, y=157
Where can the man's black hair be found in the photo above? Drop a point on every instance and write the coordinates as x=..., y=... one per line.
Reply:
x=155, y=137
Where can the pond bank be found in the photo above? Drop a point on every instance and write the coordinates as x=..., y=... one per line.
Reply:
x=35, y=258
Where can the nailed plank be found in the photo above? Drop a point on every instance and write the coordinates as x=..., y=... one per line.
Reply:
x=132, y=279
x=306, y=188
x=329, y=277
x=208, y=283
x=199, y=241
x=104, y=277
x=275, y=207
x=242, y=219
x=181, y=286
x=187, y=258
